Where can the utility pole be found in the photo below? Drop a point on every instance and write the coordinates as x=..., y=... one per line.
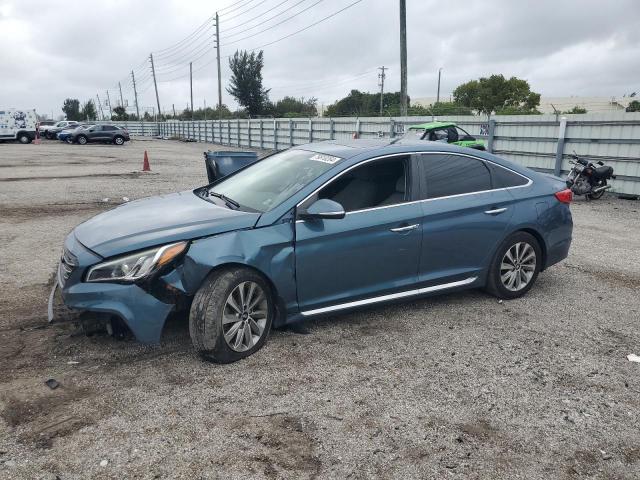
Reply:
x=205, y=111
x=173, y=105
x=100, y=106
x=155, y=84
x=191, y=86
x=403, y=58
x=109, y=102
x=381, y=76
x=135, y=94
x=121, y=99
x=438, y=97
x=219, y=72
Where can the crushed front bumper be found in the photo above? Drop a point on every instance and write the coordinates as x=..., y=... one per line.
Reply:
x=70, y=297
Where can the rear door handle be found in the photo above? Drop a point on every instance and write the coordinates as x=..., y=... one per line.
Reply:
x=495, y=211
x=405, y=229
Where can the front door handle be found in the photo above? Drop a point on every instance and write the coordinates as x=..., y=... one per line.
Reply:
x=405, y=229
x=495, y=211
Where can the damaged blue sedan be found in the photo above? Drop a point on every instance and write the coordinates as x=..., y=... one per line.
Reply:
x=316, y=229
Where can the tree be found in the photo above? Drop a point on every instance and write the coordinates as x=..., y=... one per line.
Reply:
x=88, y=111
x=71, y=109
x=119, y=114
x=364, y=104
x=497, y=94
x=634, y=106
x=246, y=81
x=289, y=107
x=576, y=109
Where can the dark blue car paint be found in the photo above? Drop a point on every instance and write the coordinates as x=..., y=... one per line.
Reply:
x=456, y=241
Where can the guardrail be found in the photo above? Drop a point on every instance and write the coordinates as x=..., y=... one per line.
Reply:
x=541, y=142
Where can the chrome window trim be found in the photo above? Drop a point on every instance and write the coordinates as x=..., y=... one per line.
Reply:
x=391, y=296
x=529, y=181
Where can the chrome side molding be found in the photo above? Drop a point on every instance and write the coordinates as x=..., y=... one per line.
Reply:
x=391, y=296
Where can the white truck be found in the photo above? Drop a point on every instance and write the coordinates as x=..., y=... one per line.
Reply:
x=18, y=125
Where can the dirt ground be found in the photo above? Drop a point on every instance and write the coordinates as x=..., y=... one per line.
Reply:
x=458, y=385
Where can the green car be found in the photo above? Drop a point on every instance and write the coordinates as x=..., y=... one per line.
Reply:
x=447, y=132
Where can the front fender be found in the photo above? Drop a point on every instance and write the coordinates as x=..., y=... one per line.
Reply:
x=270, y=250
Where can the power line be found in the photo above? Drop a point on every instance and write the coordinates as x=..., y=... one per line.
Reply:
x=162, y=51
x=243, y=2
x=274, y=25
x=190, y=45
x=259, y=15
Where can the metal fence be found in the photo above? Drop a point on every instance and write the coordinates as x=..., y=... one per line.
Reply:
x=541, y=142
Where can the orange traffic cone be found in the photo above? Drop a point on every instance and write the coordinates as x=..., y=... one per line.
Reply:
x=145, y=165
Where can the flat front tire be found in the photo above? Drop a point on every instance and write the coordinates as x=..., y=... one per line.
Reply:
x=515, y=266
x=231, y=315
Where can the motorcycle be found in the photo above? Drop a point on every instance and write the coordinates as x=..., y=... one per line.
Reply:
x=587, y=178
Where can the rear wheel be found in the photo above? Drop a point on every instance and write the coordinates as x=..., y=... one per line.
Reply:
x=24, y=138
x=231, y=315
x=597, y=195
x=515, y=266
x=82, y=140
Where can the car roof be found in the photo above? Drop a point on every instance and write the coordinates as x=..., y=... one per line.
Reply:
x=347, y=149
x=431, y=125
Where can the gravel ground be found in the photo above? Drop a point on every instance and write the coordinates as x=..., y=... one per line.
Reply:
x=452, y=386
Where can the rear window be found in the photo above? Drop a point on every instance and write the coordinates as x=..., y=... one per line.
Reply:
x=447, y=175
x=503, y=178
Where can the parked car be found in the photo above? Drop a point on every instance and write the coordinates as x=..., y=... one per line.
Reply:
x=317, y=229
x=100, y=133
x=65, y=135
x=52, y=132
x=18, y=125
x=447, y=132
x=43, y=125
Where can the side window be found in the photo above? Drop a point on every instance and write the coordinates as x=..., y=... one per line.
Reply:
x=375, y=184
x=447, y=175
x=503, y=178
x=440, y=135
x=108, y=128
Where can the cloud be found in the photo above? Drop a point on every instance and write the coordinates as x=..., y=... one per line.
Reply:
x=51, y=51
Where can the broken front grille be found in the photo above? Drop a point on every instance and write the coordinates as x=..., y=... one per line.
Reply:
x=68, y=262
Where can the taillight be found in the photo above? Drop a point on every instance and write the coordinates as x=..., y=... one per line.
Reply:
x=564, y=196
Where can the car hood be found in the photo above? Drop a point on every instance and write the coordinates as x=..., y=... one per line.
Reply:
x=157, y=220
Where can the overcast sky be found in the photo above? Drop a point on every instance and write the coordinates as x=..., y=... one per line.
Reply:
x=53, y=50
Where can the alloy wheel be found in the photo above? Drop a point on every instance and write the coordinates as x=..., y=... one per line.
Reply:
x=244, y=316
x=518, y=266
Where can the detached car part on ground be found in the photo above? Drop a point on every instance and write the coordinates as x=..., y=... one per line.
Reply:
x=315, y=230
x=99, y=133
x=446, y=132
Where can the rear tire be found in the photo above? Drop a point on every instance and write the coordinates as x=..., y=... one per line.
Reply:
x=597, y=195
x=222, y=326
x=82, y=140
x=515, y=266
x=24, y=138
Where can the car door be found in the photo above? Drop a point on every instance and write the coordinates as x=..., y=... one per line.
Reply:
x=372, y=251
x=95, y=133
x=465, y=217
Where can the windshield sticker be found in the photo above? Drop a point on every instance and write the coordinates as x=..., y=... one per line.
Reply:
x=319, y=157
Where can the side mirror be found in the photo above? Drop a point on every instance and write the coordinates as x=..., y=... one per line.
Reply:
x=323, y=209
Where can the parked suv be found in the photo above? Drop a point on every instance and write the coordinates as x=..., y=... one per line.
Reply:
x=100, y=133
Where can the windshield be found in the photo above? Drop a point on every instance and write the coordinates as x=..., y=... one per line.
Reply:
x=415, y=133
x=269, y=182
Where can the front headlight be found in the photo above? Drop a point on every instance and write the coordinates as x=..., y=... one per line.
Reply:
x=136, y=266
